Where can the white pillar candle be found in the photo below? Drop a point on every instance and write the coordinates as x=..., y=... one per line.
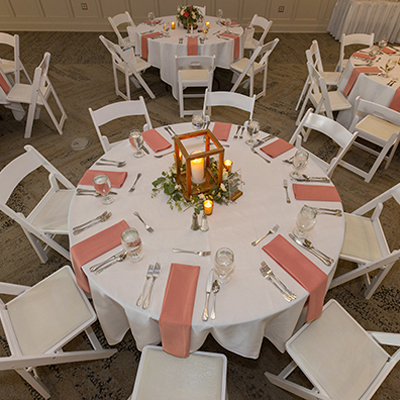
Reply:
x=197, y=166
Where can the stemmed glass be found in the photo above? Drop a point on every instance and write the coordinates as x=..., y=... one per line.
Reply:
x=151, y=17
x=253, y=128
x=136, y=140
x=382, y=44
x=224, y=264
x=300, y=161
x=166, y=29
x=306, y=219
x=132, y=244
x=228, y=23
x=391, y=63
x=198, y=120
x=219, y=15
x=373, y=51
x=102, y=186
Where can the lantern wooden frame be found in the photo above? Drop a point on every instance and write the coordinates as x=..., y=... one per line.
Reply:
x=184, y=178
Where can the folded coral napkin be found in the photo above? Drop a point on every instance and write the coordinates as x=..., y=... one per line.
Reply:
x=303, y=270
x=155, y=140
x=93, y=247
x=363, y=55
x=232, y=23
x=145, y=47
x=117, y=179
x=192, y=46
x=154, y=22
x=221, y=130
x=395, y=103
x=354, y=76
x=177, y=309
x=4, y=84
x=388, y=50
x=237, y=43
x=315, y=192
x=277, y=148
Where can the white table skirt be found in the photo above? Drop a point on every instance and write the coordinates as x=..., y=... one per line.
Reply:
x=162, y=51
x=368, y=87
x=366, y=16
x=249, y=308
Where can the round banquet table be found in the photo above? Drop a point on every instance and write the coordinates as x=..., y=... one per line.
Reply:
x=162, y=51
x=369, y=87
x=249, y=308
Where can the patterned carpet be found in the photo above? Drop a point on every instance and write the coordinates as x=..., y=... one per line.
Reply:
x=80, y=71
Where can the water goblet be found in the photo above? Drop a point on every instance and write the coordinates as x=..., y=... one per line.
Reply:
x=166, y=27
x=198, y=120
x=299, y=163
x=102, y=186
x=224, y=264
x=136, y=141
x=132, y=244
x=151, y=17
x=253, y=128
x=391, y=63
x=305, y=221
x=228, y=23
x=373, y=51
x=219, y=15
x=382, y=43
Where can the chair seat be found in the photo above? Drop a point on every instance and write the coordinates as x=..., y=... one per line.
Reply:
x=331, y=78
x=377, y=129
x=41, y=317
x=7, y=66
x=360, y=240
x=52, y=215
x=337, y=99
x=240, y=65
x=21, y=93
x=194, y=76
x=250, y=44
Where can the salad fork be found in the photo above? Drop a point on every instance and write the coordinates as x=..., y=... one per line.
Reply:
x=285, y=185
x=267, y=276
x=271, y=273
x=149, y=275
x=101, y=218
x=148, y=227
x=156, y=273
x=199, y=253
x=270, y=232
x=90, y=221
x=134, y=183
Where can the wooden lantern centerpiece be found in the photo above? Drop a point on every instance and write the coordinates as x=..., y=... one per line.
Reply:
x=189, y=180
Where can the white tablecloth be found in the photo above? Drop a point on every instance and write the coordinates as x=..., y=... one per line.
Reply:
x=368, y=87
x=249, y=308
x=366, y=16
x=162, y=51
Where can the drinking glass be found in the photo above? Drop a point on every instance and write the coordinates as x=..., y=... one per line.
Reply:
x=253, y=128
x=382, y=43
x=167, y=27
x=198, y=120
x=391, y=63
x=224, y=264
x=228, y=23
x=132, y=244
x=151, y=17
x=299, y=163
x=373, y=51
x=219, y=15
x=136, y=140
x=306, y=219
x=102, y=186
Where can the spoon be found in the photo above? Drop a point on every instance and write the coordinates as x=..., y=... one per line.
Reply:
x=134, y=183
x=308, y=244
x=120, y=258
x=215, y=289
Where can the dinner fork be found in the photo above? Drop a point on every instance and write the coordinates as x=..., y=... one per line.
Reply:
x=149, y=275
x=199, y=253
x=267, y=276
x=90, y=221
x=148, y=227
x=270, y=232
x=117, y=164
x=237, y=132
x=169, y=132
x=269, y=271
x=134, y=183
x=101, y=218
x=285, y=185
x=156, y=273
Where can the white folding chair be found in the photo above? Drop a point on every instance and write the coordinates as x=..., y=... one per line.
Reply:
x=126, y=20
x=314, y=58
x=193, y=71
x=250, y=43
x=202, y=10
x=365, y=244
x=5, y=87
x=114, y=111
x=340, y=359
x=41, y=320
x=37, y=95
x=324, y=102
x=130, y=65
x=250, y=68
x=365, y=39
x=378, y=125
x=50, y=215
x=12, y=67
x=197, y=377
x=228, y=99
x=330, y=128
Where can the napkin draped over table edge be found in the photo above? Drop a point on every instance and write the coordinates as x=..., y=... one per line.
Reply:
x=237, y=43
x=117, y=178
x=144, y=43
x=354, y=76
x=192, y=45
x=395, y=103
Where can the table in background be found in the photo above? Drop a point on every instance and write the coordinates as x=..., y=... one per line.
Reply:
x=366, y=16
x=162, y=51
x=249, y=308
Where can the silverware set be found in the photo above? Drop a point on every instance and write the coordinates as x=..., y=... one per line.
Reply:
x=169, y=129
x=270, y=232
x=100, y=267
x=265, y=159
x=148, y=227
x=307, y=244
x=151, y=275
x=329, y=211
x=268, y=274
x=285, y=185
x=289, y=160
x=392, y=82
x=239, y=132
x=134, y=183
x=260, y=142
x=306, y=178
x=111, y=163
x=90, y=192
x=199, y=253
x=101, y=218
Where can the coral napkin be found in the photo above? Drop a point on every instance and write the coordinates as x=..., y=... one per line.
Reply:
x=145, y=47
x=232, y=23
x=4, y=84
x=354, y=76
x=192, y=46
x=221, y=130
x=117, y=179
x=177, y=309
x=277, y=148
x=237, y=43
x=395, y=103
x=154, y=22
x=93, y=247
x=388, y=50
x=315, y=192
x=363, y=55
x=303, y=270
x=155, y=140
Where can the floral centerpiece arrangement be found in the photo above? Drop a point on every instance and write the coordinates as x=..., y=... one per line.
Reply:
x=189, y=15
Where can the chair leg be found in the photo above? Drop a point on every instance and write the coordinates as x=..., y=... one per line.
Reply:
x=376, y=281
x=35, y=382
x=58, y=125
x=303, y=92
x=29, y=121
x=127, y=86
x=37, y=246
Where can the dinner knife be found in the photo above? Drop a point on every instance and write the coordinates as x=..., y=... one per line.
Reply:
x=143, y=147
x=311, y=250
x=262, y=141
x=210, y=280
